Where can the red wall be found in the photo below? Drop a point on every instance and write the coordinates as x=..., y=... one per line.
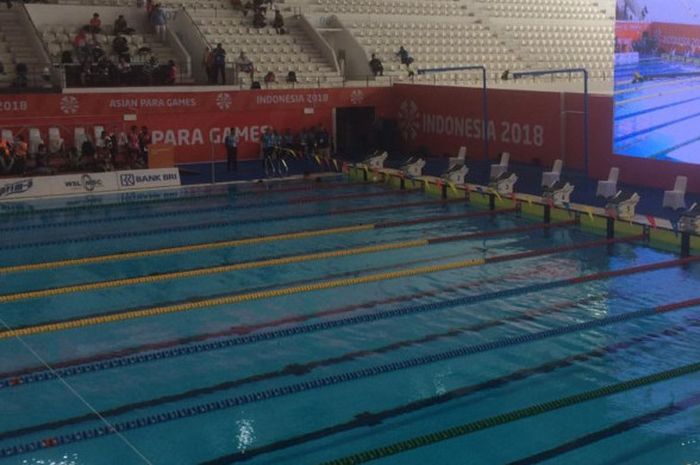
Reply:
x=444, y=118
x=555, y=113
x=529, y=125
x=193, y=121
x=679, y=37
x=628, y=32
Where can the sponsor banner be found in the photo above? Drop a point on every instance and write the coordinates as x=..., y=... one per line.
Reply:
x=186, y=103
x=147, y=179
x=19, y=188
x=87, y=183
x=84, y=183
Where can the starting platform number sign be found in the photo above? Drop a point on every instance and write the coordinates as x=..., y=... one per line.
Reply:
x=13, y=105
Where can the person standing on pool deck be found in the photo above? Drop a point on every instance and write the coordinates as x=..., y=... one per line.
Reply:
x=231, y=143
x=267, y=143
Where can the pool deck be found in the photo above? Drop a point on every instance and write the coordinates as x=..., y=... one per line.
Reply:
x=661, y=232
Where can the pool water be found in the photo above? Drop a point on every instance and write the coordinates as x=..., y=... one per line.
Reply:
x=320, y=347
x=657, y=118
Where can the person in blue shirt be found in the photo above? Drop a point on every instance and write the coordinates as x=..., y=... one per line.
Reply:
x=288, y=139
x=268, y=144
x=322, y=141
x=159, y=19
x=231, y=143
x=277, y=139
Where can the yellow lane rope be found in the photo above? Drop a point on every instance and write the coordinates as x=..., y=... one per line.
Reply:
x=210, y=270
x=236, y=298
x=184, y=248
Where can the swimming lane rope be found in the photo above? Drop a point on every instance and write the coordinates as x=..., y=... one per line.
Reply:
x=224, y=224
x=291, y=290
x=303, y=234
x=216, y=209
x=284, y=260
x=377, y=370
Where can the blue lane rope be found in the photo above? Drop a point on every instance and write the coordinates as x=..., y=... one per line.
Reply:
x=218, y=224
x=319, y=383
x=323, y=326
x=166, y=214
x=297, y=368
x=209, y=193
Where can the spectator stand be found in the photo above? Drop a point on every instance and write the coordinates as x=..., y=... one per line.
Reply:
x=300, y=49
x=59, y=26
x=25, y=61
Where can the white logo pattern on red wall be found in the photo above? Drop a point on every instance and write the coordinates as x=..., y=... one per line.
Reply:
x=69, y=105
x=409, y=119
x=357, y=97
x=223, y=101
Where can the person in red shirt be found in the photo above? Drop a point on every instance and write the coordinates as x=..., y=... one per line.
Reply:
x=80, y=40
x=170, y=73
x=95, y=24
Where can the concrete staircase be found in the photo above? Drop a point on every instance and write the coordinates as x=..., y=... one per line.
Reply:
x=164, y=52
x=293, y=51
x=15, y=47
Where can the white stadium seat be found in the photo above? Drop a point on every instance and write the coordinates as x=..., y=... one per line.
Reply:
x=675, y=198
x=608, y=188
x=550, y=177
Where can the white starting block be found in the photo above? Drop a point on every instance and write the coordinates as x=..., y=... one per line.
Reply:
x=690, y=220
x=624, y=204
x=504, y=183
x=559, y=192
x=376, y=160
x=457, y=174
x=413, y=167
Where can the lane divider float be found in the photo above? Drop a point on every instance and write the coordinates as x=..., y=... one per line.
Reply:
x=515, y=415
x=106, y=360
x=219, y=208
x=224, y=224
x=187, y=346
x=286, y=260
x=291, y=290
x=372, y=419
x=296, y=369
x=674, y=408
x=254, y=240
x=208, y=195
x=318, y=383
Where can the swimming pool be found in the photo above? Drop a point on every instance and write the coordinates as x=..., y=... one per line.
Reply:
x=657, y=118
x=331, y=322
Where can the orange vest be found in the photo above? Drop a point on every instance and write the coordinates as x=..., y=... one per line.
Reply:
x=21, y=149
